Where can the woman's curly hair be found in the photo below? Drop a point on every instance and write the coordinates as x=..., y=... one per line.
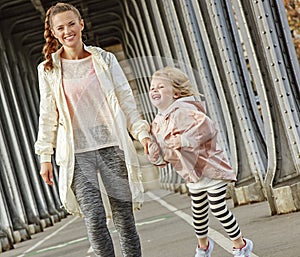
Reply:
x=52, y=43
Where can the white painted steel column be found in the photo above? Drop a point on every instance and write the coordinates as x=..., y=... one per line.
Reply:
x=215, y=99
x=252, y=164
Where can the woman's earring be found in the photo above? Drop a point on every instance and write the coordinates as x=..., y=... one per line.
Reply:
x=84, y=37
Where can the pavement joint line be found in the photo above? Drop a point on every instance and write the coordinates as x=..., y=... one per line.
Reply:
x=221, y=240
x=90, y=250
x=48, y=237
x=54, y=247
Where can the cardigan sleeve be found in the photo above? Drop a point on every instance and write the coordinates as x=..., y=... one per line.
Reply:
x=46, y=138
x=137, y=127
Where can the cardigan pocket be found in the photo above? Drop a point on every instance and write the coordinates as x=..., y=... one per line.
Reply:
x=62, y=148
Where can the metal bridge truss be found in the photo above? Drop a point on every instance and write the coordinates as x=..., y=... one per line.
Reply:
x=240, y=56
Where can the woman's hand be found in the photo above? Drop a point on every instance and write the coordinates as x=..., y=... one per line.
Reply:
x=145, y=143
x=47, y=172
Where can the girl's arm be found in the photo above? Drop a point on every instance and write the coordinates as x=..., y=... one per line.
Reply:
x=191, y=130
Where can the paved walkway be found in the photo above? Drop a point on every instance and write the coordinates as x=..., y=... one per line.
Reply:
x=165, y=228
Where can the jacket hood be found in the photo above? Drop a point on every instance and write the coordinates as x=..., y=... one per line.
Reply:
x=94, y=51
x=185, y=102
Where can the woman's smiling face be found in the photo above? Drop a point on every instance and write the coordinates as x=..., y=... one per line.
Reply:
x=67, y=27
x=162, y=93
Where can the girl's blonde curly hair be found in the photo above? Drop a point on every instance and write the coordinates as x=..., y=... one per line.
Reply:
x=180, y=81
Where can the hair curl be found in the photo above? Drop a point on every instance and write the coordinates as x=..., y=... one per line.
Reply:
x=52, y=43
x=180, y=81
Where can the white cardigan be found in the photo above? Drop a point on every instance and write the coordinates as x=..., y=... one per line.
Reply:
x=55, y=127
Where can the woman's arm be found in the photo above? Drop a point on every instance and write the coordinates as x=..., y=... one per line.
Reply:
x=46, y=139
x=137, y=127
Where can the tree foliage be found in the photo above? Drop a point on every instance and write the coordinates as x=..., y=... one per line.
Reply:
x=293, y=13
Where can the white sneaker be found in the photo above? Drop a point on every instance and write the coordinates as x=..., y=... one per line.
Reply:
x=245, y=251
x=207, y=253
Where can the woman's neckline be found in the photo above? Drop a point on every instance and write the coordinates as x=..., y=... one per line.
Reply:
x=76, y=60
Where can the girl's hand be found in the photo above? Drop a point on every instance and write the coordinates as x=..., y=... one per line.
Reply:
x=154, y=152
x=47, y=172
x=155, y=156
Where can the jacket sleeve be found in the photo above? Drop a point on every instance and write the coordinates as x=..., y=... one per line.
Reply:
x=192, y=129
x=137, y=127
x=46, y=139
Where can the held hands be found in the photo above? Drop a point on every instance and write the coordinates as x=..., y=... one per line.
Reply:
x=47, y=172
x=154, y=152
x=145, y=143
x=155, y=155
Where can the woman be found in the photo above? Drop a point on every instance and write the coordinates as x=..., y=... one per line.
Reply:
x=86, y=107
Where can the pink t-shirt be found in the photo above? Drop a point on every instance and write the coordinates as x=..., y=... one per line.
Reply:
x=88, y=107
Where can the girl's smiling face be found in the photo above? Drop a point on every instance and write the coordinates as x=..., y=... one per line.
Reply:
x=162, y=93
x=67, y=27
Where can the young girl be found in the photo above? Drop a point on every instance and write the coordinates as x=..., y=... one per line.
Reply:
x=86, y=110
x=187, y=139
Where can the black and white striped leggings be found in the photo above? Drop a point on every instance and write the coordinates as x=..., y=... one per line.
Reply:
x=215, y=200
x=111, y=165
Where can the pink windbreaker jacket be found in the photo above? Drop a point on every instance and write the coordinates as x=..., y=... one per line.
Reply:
x=187, y=139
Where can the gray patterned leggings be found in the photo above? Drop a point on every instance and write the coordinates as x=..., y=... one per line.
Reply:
x=110, y=162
